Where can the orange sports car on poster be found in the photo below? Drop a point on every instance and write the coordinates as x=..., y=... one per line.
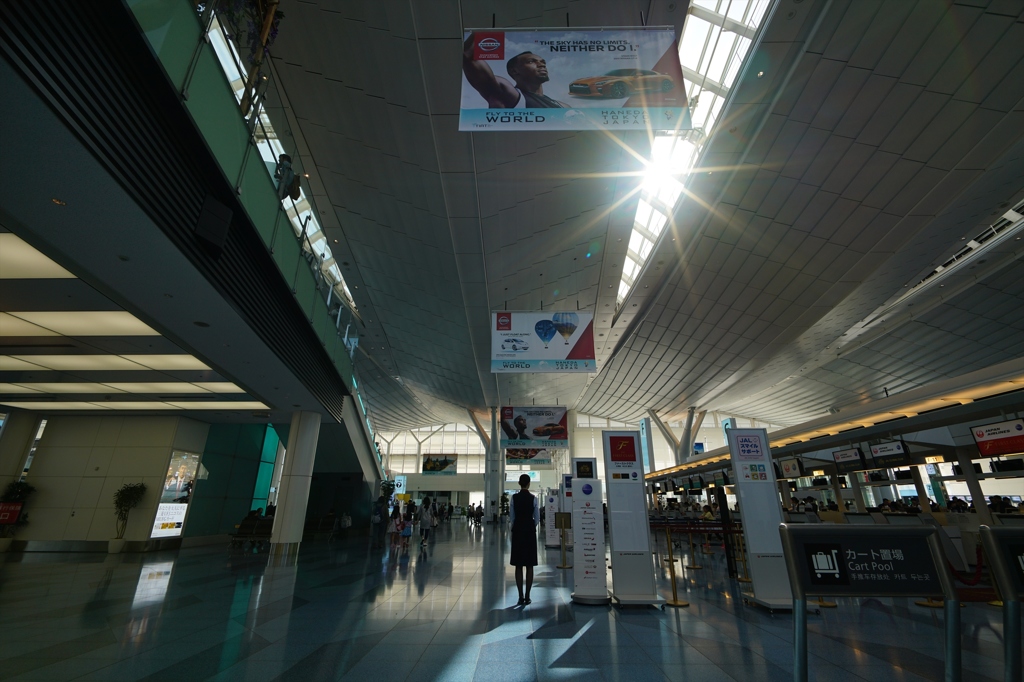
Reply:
x=621, y=83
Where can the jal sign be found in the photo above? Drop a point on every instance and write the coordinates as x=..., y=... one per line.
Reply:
x=863, y=562
x=848, y=460
x=1004, y=438
x=892, y=454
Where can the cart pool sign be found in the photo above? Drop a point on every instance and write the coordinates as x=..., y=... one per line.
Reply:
x=863, y=562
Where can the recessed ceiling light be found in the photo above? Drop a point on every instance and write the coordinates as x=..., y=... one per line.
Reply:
x=760, y=73
x=71, y=363
x=166, y=362
x=43, y=406
x=88, y=322
x=15, y=326
x=18, y=260
x=17, y=388
x=219, y=405
x=59, y=202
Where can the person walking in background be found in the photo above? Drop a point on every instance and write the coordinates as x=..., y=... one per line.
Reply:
x=426, y=520
x=524, y=515
x=378, y=521
x=394, y=529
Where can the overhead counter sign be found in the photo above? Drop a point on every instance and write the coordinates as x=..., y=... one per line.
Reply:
x=618, y=79
x=848, y=460
x=1003, y=438
x=551, y=342
x=885, y=455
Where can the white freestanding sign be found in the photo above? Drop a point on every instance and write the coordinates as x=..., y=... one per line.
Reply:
x=628, y=527
x=551, y=507
x=762, y=514
x=590, y=579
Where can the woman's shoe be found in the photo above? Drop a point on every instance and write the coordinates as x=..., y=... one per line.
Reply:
x=527, y=601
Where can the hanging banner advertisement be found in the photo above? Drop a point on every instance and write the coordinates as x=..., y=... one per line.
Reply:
x=542, y=342
x=618, y=79
x=176, y=494
x=439, y=465
x=528, y=456
x=534, y=427
x=1004, y=438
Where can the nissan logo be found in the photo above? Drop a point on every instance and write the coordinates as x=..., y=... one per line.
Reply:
x=504, y=319
x=489, y=44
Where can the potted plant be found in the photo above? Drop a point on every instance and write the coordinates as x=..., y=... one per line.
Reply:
x=16, y=492
x=126, y=498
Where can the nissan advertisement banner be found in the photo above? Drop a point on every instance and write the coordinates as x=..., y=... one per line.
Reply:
x=619, y=79
x=552, y=342
x=534, y=428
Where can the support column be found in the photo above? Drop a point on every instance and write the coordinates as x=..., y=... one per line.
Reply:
x=492, y=473
x=922, y=490
x=963, y=457
x=837, y=489
x=669, y=437
x=293, y=494
x=685, y=449
x=16, y=438
x=858, y=496
x=786, y=493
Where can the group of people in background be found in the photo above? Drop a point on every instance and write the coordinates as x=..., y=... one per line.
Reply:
x=397, y=526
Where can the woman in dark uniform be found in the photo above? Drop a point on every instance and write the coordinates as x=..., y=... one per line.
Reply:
x=524, y=515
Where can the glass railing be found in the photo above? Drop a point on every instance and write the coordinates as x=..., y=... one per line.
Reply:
x=253, y=143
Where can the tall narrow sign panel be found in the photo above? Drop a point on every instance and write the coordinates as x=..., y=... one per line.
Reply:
x=619, y=79
x=590, y=579
x=552, y=342
x=761, y=512
x=628, y=527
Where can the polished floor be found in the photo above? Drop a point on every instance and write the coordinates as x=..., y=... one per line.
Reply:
x=444, y=613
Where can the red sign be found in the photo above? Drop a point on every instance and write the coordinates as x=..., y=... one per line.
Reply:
x=504, y=322
x=489, y=45
x=1004, y=438
x=623, y=448
x=507, y=413
x=9, y=513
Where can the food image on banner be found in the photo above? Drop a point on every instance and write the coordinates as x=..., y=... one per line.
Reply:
x=528, y=456
x=439, y=465
x=534, y=427
x=542, y=342
x=560, y=79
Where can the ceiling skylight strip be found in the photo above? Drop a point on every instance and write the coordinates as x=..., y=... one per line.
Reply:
x=716, y=39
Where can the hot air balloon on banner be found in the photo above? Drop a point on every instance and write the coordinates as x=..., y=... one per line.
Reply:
x=565, y=324
x=545, y=329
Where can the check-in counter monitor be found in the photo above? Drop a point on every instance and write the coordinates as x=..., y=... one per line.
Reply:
x=1011, y=519
x=859, y=518
x=880, y=518
x=903, y=519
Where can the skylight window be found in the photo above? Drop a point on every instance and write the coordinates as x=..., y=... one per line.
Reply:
x=716, y=39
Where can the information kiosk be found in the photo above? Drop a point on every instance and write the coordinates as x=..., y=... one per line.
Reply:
x=629, y=529
x=590, y=575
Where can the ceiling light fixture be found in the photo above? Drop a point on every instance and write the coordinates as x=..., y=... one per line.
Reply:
x=59, y=202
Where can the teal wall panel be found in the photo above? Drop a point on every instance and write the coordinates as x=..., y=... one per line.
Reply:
x=232, y=456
